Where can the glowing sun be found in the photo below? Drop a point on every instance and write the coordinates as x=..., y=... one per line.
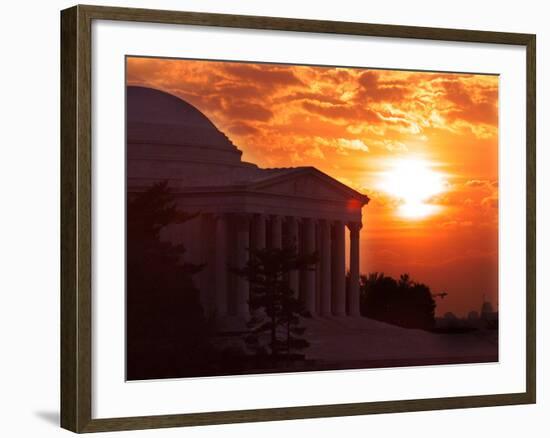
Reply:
x=413, y=182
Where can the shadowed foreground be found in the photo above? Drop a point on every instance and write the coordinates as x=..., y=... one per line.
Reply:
x=339, y=344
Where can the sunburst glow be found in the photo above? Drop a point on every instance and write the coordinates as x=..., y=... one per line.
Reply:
x=413, y=182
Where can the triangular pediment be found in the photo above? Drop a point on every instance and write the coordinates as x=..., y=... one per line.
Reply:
x=307, y=182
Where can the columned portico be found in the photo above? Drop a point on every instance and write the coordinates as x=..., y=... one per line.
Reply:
x=324, y=293
x=233, y=235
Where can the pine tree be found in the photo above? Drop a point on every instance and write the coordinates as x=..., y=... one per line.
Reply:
x=276, y=309
x=166, y=327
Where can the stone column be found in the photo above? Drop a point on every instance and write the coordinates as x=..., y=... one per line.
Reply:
x=242, y=285
x=259, y=231
x=326, y=283
x=221, y=308
x=206, y=278
x=276, y=232
x=308, y=294
x=339, y=270
x=353, y=291
x=294, y=275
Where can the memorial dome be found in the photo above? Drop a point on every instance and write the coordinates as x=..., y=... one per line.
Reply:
x=158, y=118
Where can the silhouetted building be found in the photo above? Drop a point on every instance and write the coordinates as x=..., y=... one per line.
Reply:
x=488, y=315
x=242, y=206
x=473, y=316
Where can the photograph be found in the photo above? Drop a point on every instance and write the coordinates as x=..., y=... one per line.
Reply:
x=297, y=218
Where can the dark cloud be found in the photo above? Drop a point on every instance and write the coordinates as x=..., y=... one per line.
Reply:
x=373, y=89
x=343, y=111
x=336, y=75
x=262, y=76
x=243, y=129
x=308, y=95
x=466, y=108
x=302, y=124
x=237, y=90
x=247, y=111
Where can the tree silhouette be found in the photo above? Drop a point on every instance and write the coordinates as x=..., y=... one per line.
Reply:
x=166, y=327
x=402, y=302
x=275, y=308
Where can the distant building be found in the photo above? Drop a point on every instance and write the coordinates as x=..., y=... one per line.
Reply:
x=488, y=315
x=486, y=309
x=450, y=316
x=473, y=316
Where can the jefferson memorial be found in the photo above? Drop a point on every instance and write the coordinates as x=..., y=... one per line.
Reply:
x=239, y=206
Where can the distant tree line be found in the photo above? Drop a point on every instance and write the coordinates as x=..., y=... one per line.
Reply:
x=403, y=302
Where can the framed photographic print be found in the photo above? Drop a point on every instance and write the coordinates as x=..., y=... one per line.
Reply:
x=268, y=218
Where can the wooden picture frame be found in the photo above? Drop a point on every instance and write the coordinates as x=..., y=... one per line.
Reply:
x=76, y=217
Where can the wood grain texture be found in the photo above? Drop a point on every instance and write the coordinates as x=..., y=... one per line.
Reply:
x=69, y=328
x=531, y=268
x=303, y=412
x=299, y=25
x=76, y=222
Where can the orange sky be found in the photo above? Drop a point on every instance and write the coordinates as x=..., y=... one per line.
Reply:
x=366, y=128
